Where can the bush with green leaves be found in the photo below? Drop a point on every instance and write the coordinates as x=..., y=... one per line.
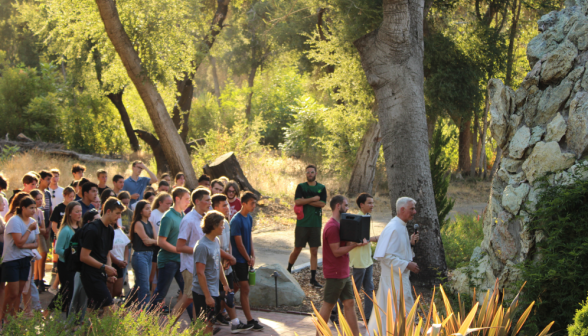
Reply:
x=580, y=326
x=556, y=274
x=460, y=237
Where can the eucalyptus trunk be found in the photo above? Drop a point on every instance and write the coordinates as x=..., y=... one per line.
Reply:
x=392, y=58
x=364, y=169
x=173, y=147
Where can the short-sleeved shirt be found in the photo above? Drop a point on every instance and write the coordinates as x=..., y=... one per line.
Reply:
x=334, y=267
x=170, y=229
x=234, y=207
x=11, y=251
x=98, y=238
x=118, y=245
x=191, y=232
x=313, y=216
x=86, y=208
x=241, y=226
x=57, y=215
x=56, y=196
x=207, y=252
x=155, y=218
x=136, y=187
x=225, y=242
x=101, y=190
x=361, y=257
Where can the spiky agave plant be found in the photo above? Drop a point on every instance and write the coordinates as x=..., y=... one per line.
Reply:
x=488, y=319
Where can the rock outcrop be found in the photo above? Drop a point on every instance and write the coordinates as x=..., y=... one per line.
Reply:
x=263, y=293
x=542, y=129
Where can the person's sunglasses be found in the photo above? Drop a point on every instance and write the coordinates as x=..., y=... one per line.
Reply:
x=53, y=194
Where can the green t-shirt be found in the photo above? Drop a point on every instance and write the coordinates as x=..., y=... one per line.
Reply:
x=313, y=216
x=169, y=228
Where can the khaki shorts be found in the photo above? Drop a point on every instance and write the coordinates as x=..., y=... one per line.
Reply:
x=188, y=278
x=338, y=289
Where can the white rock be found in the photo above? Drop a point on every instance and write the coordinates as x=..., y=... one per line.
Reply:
x=510, y=165
x=546, y=157
x=519, y=143
x=536, y=134
x=556, y=129
x=512, y=197
x=499, y=110
x=552, y=100
x=264, y=293
x=577, y=131
x=559, y=62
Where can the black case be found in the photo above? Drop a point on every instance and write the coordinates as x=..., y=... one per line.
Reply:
x=354, y=228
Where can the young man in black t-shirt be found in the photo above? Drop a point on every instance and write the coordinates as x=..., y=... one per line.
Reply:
x=96, y=242
x=102, y=176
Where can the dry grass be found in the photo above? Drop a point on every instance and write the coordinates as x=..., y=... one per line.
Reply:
x=20, y=164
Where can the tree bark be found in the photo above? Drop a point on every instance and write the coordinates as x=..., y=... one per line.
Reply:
x=116, y=99
x=465, y=135
x=228, y=165
x=392, y=58
x=217, y=92
x=158, y=153
x=171, y=143
x=364, y=169
x=511, y=41
x=474, y=147
x=250, y=81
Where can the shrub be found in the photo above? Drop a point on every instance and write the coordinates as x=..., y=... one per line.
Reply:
x=556, y=275
x=460, y=238
x=580, y=326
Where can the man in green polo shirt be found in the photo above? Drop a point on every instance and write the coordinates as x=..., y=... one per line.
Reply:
x=168, y=259
x=312, y=196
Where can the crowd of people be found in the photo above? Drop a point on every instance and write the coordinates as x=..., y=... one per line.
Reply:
x=95, y=233
x=202, y=239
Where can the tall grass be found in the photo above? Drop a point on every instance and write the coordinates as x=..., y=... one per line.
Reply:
x=460, y=237
x=490, y=318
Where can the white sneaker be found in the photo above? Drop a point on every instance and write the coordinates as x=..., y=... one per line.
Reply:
x=53, y=291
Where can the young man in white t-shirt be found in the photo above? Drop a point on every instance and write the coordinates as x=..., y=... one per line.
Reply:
x=55, y=190
x=190, y=233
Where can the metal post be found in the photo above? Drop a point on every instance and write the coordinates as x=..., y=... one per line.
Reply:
x=275, y=276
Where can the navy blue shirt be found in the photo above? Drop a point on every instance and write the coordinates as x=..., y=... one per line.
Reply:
x=241, y=226
x=85, y=208
x=136, y=187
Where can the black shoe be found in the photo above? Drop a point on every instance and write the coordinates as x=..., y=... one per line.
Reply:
x=235, y=329
x=255, y=326
x=220, y=319
x=315, y=283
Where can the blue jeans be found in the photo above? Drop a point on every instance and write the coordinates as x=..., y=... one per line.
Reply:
x=364, y=277
x=165, y=275
x=141, y=263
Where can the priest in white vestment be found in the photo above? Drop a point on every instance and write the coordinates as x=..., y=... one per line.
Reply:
x=394, y=252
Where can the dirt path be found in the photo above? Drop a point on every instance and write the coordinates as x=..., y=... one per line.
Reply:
x=275, y=246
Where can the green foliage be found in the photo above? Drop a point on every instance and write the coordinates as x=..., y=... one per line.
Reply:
x=307, y=128
x=460, y=238
x=121, y=323
x=7, y=152
x=580, y=326
x=556, y=277
x=440, y=165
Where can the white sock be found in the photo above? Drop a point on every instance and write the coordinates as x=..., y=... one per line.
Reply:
x=235, y=321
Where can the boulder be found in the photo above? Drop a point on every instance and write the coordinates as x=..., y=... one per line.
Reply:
x=552, y=100
x=264, y=293
x=499, y=110
x=530, y=107
x=505, y=243
x=519, y=143
x=512, y=197
x=558, y=62
x=579, y=34
x=536, y=134
x=556, y=129
x=539, y=46
x=577, y=131
x=511, y=165
x=546, y=157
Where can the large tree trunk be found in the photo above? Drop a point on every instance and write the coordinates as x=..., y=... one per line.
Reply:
x=465, y=141
x=116, y=99
x=364, y=169
x=474, y=147
x=392, y=58
x=171, y=143
x=228, y=165
x=181, y=111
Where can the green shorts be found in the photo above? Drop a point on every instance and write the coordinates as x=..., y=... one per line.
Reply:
x=338, y=289
x=310, y=235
